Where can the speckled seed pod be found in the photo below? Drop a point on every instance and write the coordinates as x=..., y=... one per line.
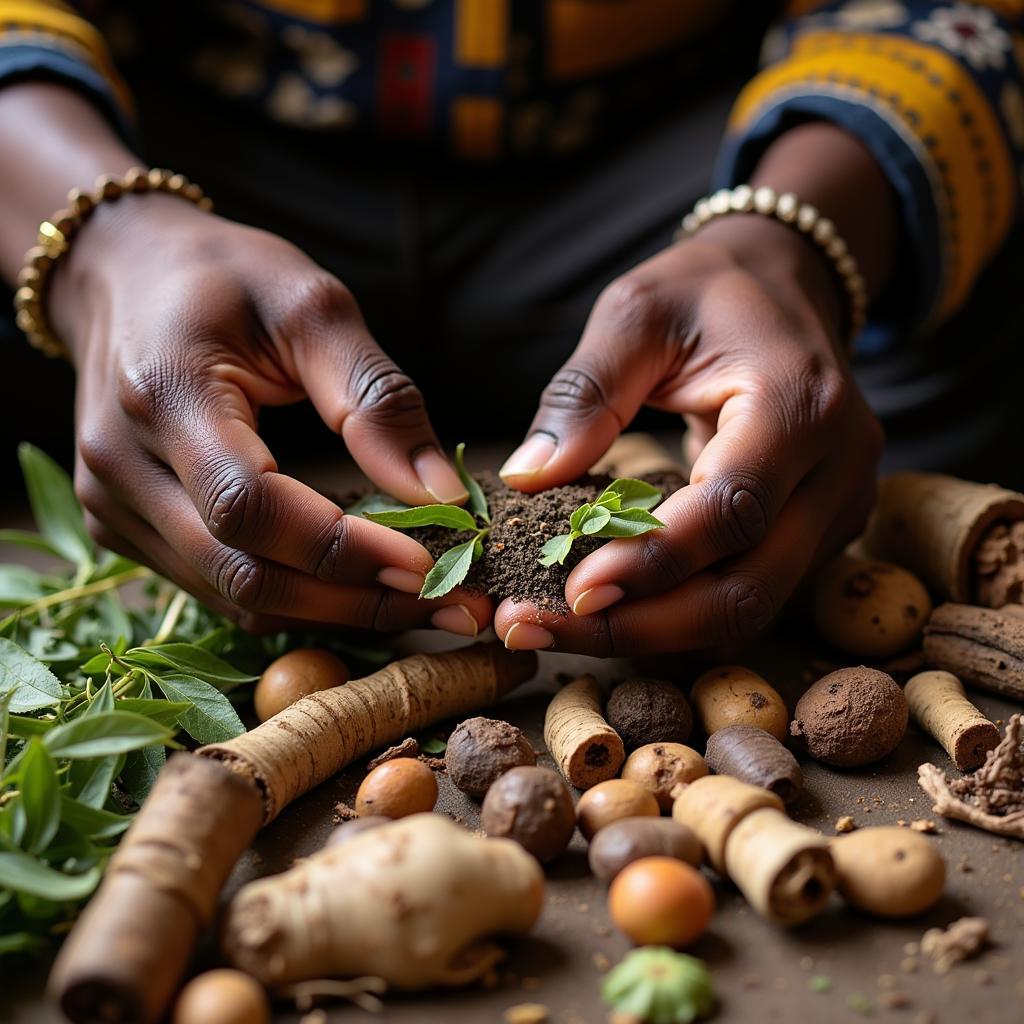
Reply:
x=736, y=695
x=649, y=711
x=661, y=767
x=482, y=749
x=851, y=717
x=748, y=753
x=629, y=839
x=533, y=806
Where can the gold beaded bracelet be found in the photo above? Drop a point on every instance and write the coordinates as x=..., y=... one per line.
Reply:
x=807, y=219
x=54, y=241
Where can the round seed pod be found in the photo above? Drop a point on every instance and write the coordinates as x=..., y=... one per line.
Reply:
x=396, y=789
x=295, y=675
x=629, y=839
x=660, y=767
x=533, y=806
x=891, y=872
x=222, y=996
x=660, y=901
x=869, y=609
x=851, y=717
x=645, y=710
x=734, y=695
x=482, y=749
x=609, y=801
x=748, y=753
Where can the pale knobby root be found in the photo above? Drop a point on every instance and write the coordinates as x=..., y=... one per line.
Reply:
x=585, y=747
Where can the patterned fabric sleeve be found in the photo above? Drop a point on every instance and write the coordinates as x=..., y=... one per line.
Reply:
x=49, y=40
x=934, y=90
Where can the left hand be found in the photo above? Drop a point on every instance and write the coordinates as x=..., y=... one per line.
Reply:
x=738, y=330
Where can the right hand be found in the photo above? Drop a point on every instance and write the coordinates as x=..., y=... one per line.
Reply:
x=182, y=325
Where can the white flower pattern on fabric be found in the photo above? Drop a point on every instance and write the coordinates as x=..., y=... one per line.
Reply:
x=1011, y=105
x=969, y=32
x=864, y=14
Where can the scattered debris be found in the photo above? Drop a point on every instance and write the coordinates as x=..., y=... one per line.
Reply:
x=960, y=941
x=924, y=825
x=845, y=823
x=409, y=747
x=526, y=1013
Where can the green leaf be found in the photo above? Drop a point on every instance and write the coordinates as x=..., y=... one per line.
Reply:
x=576, y=519
x=374, y=503
x=630, y=522
x=103, y=700
x=90, y=781
x=595, y=521
x=21, y=585
x=449, y=570
x=25, y=727
x=634, y=493
x=211, y=717
x=195, y=661
x=40, y=797
x=20, y=942
x=556, y=550
x=23, y=873
x=92, y=822
x=450, y=516
x=140, y=771
x=166, y=712
x=97, y=665
x=434, y=746
x=54, y=505
x=109, y=732
x=31, y=684
x=5, y=717
x=477, y=501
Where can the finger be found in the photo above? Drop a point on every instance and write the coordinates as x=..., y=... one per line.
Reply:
x=727, y=604
x=621, y=358
x=741, y=480
x=362, y=395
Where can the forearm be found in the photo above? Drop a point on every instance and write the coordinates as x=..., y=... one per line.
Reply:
x=51, y=140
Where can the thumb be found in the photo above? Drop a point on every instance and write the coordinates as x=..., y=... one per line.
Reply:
x=594, y=396
x=361, y=394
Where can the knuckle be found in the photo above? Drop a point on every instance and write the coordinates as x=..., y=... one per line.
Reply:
x=629, y=304
x=243, y=580
x=322, y=299
x=333, y=551
x=748, y=604
x=739, y=512
x=100, y=454
x=233, y=506
x=144, y=390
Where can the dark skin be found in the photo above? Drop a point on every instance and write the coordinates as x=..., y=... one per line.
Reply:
x=178, y=342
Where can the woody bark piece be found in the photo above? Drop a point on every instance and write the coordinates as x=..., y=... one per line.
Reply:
x=322, y=733
x=933, y=524
x=585, y=747
x=939, y=706
x=125, y=957
x=982, y=646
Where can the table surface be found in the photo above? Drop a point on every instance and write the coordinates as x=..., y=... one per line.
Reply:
x=761, y=972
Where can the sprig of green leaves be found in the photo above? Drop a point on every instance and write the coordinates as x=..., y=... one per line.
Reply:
x=621, y=510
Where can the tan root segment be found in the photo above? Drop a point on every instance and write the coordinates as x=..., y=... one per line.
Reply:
x=585, y=747
x=413, y=902
x=939, y=706
x=324, y=732
x=993, y=797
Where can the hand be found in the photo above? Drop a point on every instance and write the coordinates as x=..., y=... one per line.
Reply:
x=738, y=330
x=182, y=326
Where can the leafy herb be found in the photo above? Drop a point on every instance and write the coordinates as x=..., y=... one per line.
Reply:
x=477, y=501
x=434, y=746
x=621, y=510
x=659, y=986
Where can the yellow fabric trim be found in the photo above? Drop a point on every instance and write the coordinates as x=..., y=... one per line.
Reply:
x=916, y=83
x=56, y=19
x=585, y=37
x=477, y=123
x=481, y=33
x=325, y=12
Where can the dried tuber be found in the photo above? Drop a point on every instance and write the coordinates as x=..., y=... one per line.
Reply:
x=649, y=711
x=414, y=902
x=609, y=801
x=752, y=755
x=661, y=767
x=585, y=747
x=734, y=695
x=480, y=750
x=939, y=706
x=222, y=996
x=629, y=839
x=533, y=806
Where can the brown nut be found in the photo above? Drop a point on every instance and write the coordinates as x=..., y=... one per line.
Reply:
x=660, y=767
x=481, y=749
x=851, y=717
x=891, y=872
x=734, y=695
x=223, y=996
x=649, y=711
x=350, y=829
x=629, y=839
x=869, y=609
x=534, y=807
x=294, y=675
x=396, y=789
x=609, y=801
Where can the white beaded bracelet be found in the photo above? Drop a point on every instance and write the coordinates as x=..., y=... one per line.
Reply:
x=806, y=218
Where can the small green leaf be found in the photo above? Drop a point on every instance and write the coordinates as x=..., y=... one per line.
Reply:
x=31, y=684
x=375, y=503
x=5, y=717
x=195, y=661
x=89, y=781
x=92, y=822
x=576, y=519
x=634, y=493
x=477, y=501
x=20, y=942
x=109, y=732
x=54, y=505
x=449, y=570
x=211, y=717
x=23, y=727
x=630, y=522
x=27, y=539
x=556, y=550
x=141, y=768
x=450, y=516
x=166, y=712
x=20, y=585
x=23, y=873
x=40, y=797
x=103, y=700
x=595, y=522
x=434, y=746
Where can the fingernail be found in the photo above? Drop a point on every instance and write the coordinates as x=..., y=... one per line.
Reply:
x=530, y=457
x=455, y=618
x=596, y=599
x=438, y=476
x=524, y=636
x=405, y=580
